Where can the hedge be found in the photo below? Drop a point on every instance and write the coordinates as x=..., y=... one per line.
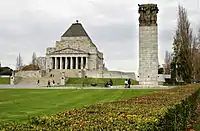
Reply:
x=163, y=110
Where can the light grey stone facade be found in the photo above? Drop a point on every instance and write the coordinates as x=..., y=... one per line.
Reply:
x=41, y=62
x=148, y=55
x=148, y=45
x=75, y=50
x=77, y=56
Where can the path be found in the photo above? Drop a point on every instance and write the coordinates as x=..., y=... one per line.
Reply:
x=34, y=86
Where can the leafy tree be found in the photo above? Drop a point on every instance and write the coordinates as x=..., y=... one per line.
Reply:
x=196, y=57
x=5, y=71
x=160, y=70
x=182, y=46
x=173, y=71
x=168, y=60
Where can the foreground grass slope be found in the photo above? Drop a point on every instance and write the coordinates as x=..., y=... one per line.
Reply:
x=98, y=81
x=18, y=104
x=165, y=110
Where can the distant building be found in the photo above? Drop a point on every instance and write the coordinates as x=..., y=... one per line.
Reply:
x=74, y=55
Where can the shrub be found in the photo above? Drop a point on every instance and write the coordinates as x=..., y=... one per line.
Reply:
x=30, y=67
x=164, y=110
x=5, y=71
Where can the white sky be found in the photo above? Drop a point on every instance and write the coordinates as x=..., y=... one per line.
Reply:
x=29, y=26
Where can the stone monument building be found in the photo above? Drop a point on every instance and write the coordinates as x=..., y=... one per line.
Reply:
x=148, y=44
x=74, y=55
x=74, y=51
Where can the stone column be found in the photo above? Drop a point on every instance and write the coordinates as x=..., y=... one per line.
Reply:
x=86, y=63
x=61, y=62
x=50, y=62
x=76, y=62
x=81, y=62
x=65, y=63
x=71, y=63
x=148, y=44
x=56, y=63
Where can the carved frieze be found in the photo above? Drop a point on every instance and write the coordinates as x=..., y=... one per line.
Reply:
x=69, y=51
x=148, y=14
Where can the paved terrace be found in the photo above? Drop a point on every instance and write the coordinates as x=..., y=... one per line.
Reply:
x=31, y=86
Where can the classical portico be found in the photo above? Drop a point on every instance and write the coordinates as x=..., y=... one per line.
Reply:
x=75, y=51
x=69, y=62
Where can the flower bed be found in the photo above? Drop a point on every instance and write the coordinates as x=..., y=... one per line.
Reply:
x=164, y=110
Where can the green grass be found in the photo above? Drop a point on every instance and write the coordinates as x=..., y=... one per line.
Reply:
x=98, y=81
x=4, y=80
x=18, y=104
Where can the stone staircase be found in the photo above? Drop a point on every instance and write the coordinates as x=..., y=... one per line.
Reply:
x=52, y=75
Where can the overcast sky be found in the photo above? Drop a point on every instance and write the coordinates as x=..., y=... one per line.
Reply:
x=29, y=26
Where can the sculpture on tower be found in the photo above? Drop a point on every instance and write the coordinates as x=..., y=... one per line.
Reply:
x=148, y=14
x=148, y=44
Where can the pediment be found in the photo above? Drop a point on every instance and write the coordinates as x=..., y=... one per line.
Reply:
x=69, y=51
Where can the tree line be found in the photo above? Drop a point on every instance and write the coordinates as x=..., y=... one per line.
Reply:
x=184, y=62
x=32, y=65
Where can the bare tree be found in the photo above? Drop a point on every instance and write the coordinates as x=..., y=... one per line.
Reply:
x=167, y=64
x=34, y=59
x=19, y=64
x=196, y=57
x=183, y=46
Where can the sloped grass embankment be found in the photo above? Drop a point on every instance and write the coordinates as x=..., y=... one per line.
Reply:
x=99, y=81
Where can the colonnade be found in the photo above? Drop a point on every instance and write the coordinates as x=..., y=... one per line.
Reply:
x=69, y=62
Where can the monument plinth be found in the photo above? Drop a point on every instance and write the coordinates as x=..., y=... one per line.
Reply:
x=148, y=44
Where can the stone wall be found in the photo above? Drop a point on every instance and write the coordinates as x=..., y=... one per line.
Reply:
x=148, y=55
x=41, y=61
x=92, y=62
x=100, y=64
x=82, y=43
x=50, y=50
x=110, y=74
x=30, y=74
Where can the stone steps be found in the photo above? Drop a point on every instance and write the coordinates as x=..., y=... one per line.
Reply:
x=57, y=77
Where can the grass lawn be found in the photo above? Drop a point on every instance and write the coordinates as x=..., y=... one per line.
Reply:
x=99, y=81
x=18, y=104
x=4, y=80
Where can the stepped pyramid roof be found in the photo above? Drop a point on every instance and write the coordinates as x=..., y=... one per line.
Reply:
x=75, y=30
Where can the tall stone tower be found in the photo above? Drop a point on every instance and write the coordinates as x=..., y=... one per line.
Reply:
x=148, y=44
